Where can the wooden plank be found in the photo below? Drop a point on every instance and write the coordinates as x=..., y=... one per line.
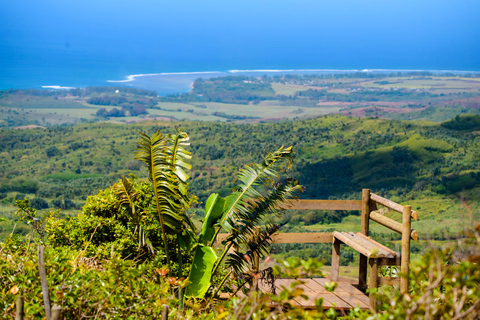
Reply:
x=294, y=237
x=349, y=288
x=390, y=281
x=372, y=246
x=334, y=299
x=404, y=268
x=391, y=224
x=391, y=205
x=395, y=254
x=283, y=282
x=351, y=244
x=280, y=283
x=314, y=286
x=325, y=304
x=352, y=300
x=322, y=205
x=364, y=298
x=364, y=247
x=303, y=237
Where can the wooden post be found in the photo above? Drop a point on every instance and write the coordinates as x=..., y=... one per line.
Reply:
x=165, y=312
x=335, y=259
x=57, y=313
x=407, y=219
x=43, y=280
x=20, y=314
x=363, y=261
x=373, y=280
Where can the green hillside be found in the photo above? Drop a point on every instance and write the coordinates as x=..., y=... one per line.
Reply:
x=427, y=164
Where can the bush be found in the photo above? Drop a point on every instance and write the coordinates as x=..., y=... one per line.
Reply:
x=39, y=203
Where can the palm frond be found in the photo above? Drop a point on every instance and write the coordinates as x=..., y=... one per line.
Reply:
x=244, y=222
x=246, y=193
x=257, y=245
x=166, y=157
x=126, y=196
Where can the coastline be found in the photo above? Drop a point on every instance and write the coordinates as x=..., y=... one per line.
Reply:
x=181, y=82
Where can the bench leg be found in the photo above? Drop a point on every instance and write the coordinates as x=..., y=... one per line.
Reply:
x=335, y=259
x=373, y=280
x=362, y=272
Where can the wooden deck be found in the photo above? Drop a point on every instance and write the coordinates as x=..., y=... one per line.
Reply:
x=346, y=296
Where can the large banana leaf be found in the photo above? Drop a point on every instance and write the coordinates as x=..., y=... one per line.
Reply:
x=213, y=212
x=201, y=272
x=204, y=260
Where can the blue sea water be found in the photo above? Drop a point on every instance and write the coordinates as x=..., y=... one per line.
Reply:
x=87, y=43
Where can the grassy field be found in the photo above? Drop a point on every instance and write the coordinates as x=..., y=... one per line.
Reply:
x=430, y=83
x=288, y=89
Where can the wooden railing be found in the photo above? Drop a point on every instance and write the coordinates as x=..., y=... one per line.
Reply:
x=368, y=206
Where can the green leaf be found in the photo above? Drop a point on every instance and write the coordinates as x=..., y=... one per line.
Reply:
x=213, y=212
x=201, y=272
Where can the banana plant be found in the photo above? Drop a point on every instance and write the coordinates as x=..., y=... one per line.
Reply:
x=241, y=214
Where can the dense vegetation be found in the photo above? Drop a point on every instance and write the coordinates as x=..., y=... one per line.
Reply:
x=119, y=260
x=336, y=157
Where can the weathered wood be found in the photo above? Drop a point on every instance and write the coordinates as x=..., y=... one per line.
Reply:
x=352, y=300
x=323, y=205
x=391, y=224
x=362, y=272
x=390, y=261
x=335, y=259
x=393, y=253
x=365, y=229
x=366, y=248
x=365, y=211
x=371, y=245
x=43, y=280
x=390, y=281
x=295, y=237
x=20, y=313
x=404, y=268
x=165, y=312
x=390, y=204
x=349, y=242
x=345, y=297
x=373, y=280
x=57, y=313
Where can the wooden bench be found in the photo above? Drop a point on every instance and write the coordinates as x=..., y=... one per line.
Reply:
x=371, y=252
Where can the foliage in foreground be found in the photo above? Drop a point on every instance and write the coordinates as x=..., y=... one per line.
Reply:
x=444, y=285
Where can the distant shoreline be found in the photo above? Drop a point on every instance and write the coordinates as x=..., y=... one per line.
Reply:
x=181, y=82
x=133, y=77
x=166, y=83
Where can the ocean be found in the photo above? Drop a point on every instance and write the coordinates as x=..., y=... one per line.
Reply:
x=54, y=44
